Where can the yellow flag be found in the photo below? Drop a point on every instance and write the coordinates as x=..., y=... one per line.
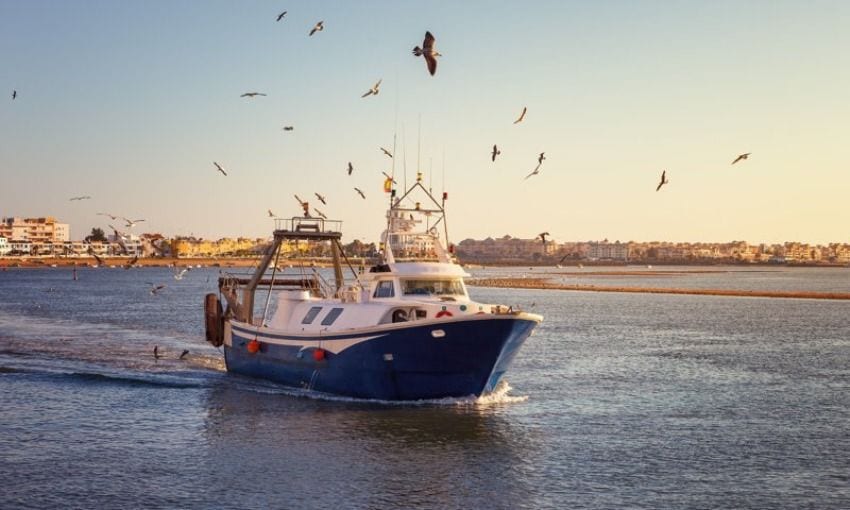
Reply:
x=388, y=185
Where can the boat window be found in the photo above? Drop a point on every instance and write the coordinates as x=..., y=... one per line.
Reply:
x=384, y=289
x=311, y=315
x=331, y=316
x=452, y=287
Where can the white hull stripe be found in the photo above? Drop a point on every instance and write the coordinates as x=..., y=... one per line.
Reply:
x=334, y=346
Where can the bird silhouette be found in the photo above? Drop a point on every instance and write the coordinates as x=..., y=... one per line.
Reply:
x=535, y=172
x=495, y=152
x=252, y=94
x=742, y=157
x=131, y=223
x=388, y=176
x=350, y=168
x=111, y=216
x=663, y=180
x=156, y=288
x=318, y=28
x=156, y=352
x=186, y=351
x=541, y=158
x=271, y=214
x=385, y=151
x=281, y=15
x=83, y=197
x=132, y=262
x=542, y=236
x=361, y=193
x=96, y=258
x=521, y=115
x=288, y=128
x=374, y=90
x=321, y=198
x=220, y=169
x=320, y=213
x=429, y=52
x=14, y=94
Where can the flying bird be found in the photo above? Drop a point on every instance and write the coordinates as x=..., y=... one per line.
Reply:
x=429, y=52
x=93, y=254
x=156, y=352
x=304, y=205
x=521, y=115
x=361, y=193
x=742, y=156
x=663, y=180
x=112, y=217
x=542, y=236
x=132, y=262
x=535, y=172
x=281, y=15
x=14, y=94
x=271, y=214
x=179, y=275
x=220, y=169
x=83, y=197
x=156, y=288
x=541, y=158
x=350, y=168
x=374, y=90
x=131, y=223
x=288, y=128
x=321, y=198
x=495, y=152
x=252, y=94
x=385, y=151
x=119, y=238
x=388, y=176
x=186, y=351
x=320, y=213
x=318, y=28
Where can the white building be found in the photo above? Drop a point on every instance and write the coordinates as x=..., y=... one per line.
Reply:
x=36, y=230
x=5, y=248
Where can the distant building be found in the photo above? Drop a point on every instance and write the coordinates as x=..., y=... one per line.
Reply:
x=36, y=230
x=608, y=251
x=5, y=248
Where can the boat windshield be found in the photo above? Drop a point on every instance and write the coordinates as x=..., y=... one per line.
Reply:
x=452, y=287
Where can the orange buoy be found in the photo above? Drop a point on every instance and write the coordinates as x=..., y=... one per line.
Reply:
x=319, y=354
x=254, y=346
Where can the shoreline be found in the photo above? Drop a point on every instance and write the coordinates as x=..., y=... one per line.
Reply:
x=543, y=284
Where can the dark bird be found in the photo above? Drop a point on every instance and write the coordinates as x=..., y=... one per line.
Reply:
x=271, y=214
x=542, y=236
x=93, y=254
x=111, y=216
x=318, y=28
x=663, y=180
x=304, y=205
x=14, y=94
x=361, y=193
x=220, y=169
x=429, y=52
x=156, y=288
x=288, y=128
x=119, y=238
x=350, y=168
x=385, y=151
x=321, y=198
x=156, y=352
x=132, y=262
x=742, y=156
x=320, y=213
x=252, y=94
x=541, y=158
x=281, y=15
x=495, y=152
x=388, y=176
x=521, y=115
x=374, y=90
x=131, y=223
x=83, y=197
x=535, y=172
x=186, y=351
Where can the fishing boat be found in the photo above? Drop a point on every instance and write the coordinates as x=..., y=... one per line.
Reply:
x=405, y=329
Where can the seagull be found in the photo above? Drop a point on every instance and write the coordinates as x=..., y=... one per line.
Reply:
x=495, y=152
x=132, y=223
x=742, y=156
x=542, y=236
x=663, y=180
x=93, y=254
x=361, y=193
x=288, y=128
x=521, y=115
x=132, y=262
x=281, y=15
x=119, y=238
x=320, y=213
x=156, y=352
x=321, y=198
x=535, y=172
x=156, y=288
x=271, y=214
x=541, y=158
x=83, y=197
x=318, y=28
x=350, y=168
x=388, y=176
x=112, y=217
x=252, y=94
x=179, y=276
x=427, y=50
x=186, y=351
x=220, y=169
x=385, y=151
x=304, y=205
x=14, y=94
x=374, y=90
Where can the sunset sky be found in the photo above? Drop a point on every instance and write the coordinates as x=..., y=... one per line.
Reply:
x=131, y=102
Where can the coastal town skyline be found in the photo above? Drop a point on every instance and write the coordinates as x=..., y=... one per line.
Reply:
x=134, y=114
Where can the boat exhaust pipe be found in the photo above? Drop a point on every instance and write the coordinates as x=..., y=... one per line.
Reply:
x=214, y=320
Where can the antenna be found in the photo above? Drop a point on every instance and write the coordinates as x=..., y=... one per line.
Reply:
x=404, y=161
x=419, y=145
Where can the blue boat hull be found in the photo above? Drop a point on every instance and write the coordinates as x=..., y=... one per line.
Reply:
x=436, y=360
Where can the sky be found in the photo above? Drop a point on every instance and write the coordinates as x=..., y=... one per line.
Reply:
x=131, y=102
